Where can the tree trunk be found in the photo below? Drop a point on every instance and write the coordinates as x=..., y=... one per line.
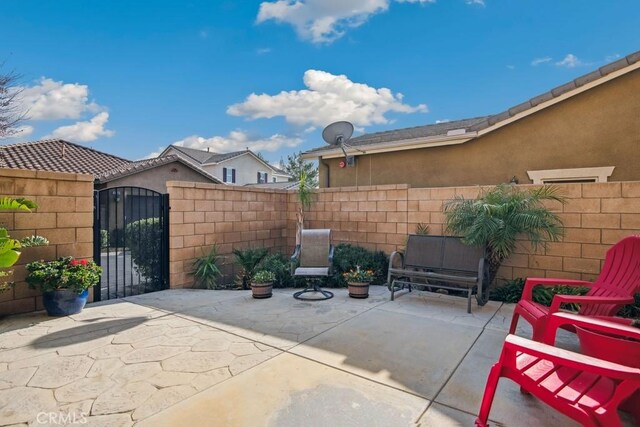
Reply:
x=299, y=226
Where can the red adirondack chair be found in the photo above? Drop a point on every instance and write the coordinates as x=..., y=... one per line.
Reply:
x=615, y=287
x=584, y=388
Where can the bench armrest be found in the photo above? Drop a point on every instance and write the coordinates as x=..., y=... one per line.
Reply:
x=527, y=293
x=330, y=259
x=394, y=255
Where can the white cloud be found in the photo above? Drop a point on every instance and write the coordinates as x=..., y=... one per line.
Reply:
x=478, y=2
x=329, y=98
x=511, y=67
x=539, y=61
x=442, y=121
x=324, y=21
x=570, y=61
x=236, y=140
x=52, y=100
x=263, y=50
x=84, y=131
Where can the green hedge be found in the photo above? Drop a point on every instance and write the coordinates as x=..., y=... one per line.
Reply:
x=347, y=257
x=144, y=240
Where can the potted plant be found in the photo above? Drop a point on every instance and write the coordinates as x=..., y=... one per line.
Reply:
x=64, y=283
x=358, y=281
x=262, y=284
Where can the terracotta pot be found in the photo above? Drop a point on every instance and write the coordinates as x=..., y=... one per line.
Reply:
x=358, y=289
x=609, y=347
x=262, y=290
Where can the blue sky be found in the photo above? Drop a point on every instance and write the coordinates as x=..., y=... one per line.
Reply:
x=129, y=77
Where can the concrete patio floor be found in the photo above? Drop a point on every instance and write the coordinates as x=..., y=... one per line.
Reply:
x=221, y=358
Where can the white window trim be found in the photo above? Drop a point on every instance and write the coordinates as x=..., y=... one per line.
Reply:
x=600, y=174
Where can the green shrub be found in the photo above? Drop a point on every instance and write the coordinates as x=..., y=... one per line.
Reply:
x=348, y=257
x=104, y=238
x=63, y=273
x=144, y=240
x=280, y=265
x=631, y=310
x=263, y=276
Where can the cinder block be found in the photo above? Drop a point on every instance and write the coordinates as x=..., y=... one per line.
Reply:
x=386, y=206
x=561, y=249
x=196, y=240
x=194, y=193
x=419, y=194
x=594, y=251
x=375, y=195
x=58, y=236
x=84, y=204
x=37, y=187
x=582, y=205
x=193, y=217
x=76, y=250
x=242, y=206
x=183, y=205
x=581, y=235
x=545, y=262
x=631, y=189
x=84, y=235
x=602, y=190
x=582, y=265
x=57, y=204
x=610, y=237
x=621, y=205
x=601, y=220
x=386, y=227
x=204, y=205
x=204, y=228
x=78, y=189
x=65, y=219
x=23, y=220
x=176, y=217
x=182, y=229
x=631, y=221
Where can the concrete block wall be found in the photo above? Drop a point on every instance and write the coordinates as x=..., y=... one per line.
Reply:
x=595, y=217
x=64, y=216
x=231, y=217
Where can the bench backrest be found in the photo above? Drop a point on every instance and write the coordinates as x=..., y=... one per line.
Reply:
x=441, y=253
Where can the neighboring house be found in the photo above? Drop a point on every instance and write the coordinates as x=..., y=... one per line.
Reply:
x=109, y=170
x=587, y=130
x=239, y=168
x=290, y=185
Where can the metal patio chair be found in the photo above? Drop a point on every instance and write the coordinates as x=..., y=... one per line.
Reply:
x=312, y=261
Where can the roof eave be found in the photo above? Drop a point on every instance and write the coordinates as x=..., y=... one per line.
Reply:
x=400, y=145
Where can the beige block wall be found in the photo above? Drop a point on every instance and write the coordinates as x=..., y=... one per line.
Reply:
x=379, y=218
x=64, y=216
x=231, y=217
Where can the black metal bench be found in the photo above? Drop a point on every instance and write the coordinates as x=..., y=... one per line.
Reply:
x=441, y=262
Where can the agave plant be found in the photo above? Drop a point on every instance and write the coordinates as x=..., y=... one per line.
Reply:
x=498, y=217
x=206, y=270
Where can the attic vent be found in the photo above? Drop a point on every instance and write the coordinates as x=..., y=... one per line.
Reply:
x=455, y=132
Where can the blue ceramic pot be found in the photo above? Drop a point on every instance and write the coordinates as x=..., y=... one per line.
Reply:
x=64, y=302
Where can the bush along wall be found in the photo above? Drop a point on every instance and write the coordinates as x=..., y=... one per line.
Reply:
x=143, y=238
x=347, y=257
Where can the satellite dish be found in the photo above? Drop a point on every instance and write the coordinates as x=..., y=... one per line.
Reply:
x=337, y=133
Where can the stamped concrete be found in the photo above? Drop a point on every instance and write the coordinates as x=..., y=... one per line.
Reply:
x=197, y=357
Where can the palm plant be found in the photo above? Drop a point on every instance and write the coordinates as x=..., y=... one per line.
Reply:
x=498, y=217
x=305, y=194
x=249, y=260
x=205, y=268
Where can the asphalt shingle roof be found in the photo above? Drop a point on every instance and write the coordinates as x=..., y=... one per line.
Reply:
x=480, y=123
x=58, y=156
x=207, y=157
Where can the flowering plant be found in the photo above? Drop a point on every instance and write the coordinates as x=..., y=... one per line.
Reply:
x=63, y=273
x=359, y=275
x=263, y=276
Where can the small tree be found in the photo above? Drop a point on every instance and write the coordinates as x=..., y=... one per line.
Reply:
x=296, y=167
x=11, y=112
x=496, y=218
x=305, y=194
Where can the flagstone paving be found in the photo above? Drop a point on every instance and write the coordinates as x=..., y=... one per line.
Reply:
x=195, y=357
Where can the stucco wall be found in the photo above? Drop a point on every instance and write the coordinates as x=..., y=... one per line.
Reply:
x=64, y=216
x=156, y=178
x=599, y=127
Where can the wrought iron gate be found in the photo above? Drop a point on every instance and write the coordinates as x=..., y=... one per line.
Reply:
x=131, y=241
